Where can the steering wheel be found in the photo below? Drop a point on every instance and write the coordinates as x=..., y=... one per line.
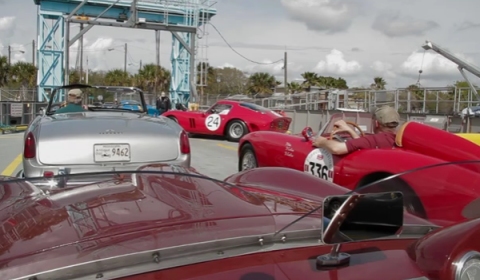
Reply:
x=341, y=139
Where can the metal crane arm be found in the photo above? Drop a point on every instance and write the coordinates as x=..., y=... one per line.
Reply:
x=460, y=62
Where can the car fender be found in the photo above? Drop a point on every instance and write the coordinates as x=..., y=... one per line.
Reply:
x=286, y=180
x=270, y=148
x=452, y=183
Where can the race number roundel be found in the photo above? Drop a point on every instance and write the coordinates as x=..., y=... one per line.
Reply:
x=213, y=122
x=319, y=163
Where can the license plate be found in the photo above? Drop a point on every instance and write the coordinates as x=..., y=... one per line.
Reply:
x=111, y=152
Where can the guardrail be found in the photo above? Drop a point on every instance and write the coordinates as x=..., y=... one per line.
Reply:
x=16, y=115
x=454, y=124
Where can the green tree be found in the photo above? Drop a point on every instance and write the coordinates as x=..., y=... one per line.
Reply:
x=231, y=81
x=261, y=83
x=4, y=70
x=117, y=77
x=378, y=83
x=310, y=80
x=294, y=87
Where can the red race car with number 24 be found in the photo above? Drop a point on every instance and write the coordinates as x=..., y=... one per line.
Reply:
x=232, y=119
x=417, y=145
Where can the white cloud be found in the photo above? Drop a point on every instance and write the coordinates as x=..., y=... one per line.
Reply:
x=394, y=24
x=322, y=15
x=434, y=66
x=336, y=64
x=7, y=23
x=227, y=65
x=96, y=53
x=18, y=53
x=383, y=69
x=7, y=26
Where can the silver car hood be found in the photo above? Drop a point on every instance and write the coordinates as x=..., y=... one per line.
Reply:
x=70, y=138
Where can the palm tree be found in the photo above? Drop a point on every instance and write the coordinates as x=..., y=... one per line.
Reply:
x=262, y=82
x=4, y=69
x=23, y=75
x=310, y=80
x=378, y=83
x=294, y=87
x=153, y=78
x=117, y=77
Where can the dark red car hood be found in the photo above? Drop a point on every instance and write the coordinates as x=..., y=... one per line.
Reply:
x=72, y=226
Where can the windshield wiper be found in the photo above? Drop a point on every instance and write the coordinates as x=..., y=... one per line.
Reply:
x=376, y=182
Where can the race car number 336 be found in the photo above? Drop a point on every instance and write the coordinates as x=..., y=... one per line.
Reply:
x=319, y=163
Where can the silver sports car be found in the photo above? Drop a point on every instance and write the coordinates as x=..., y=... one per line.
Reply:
x=85, y=136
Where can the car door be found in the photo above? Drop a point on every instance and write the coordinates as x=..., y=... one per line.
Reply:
x=215, y=119
x=299, y=154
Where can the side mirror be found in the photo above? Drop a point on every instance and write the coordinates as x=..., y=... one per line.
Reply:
x=307, y=133
x=357, y=217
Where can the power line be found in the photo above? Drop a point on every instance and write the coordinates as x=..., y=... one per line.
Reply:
x=241, y=55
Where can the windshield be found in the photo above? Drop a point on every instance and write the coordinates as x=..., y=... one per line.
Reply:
x=96, y=98
x=67, y=220
x=364, y=121
x=254, y=107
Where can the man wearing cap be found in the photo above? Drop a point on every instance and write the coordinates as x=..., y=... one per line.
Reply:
x=74, y=102
x=386, y=120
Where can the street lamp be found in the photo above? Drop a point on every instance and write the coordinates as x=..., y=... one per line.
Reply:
x=125, y=59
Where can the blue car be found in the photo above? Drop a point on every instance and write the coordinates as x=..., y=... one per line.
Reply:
x=135, y=105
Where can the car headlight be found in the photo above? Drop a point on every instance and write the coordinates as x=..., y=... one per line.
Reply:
x=468, y=267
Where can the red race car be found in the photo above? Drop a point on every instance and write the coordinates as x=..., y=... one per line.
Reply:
x=418, y=145
x=232, y=119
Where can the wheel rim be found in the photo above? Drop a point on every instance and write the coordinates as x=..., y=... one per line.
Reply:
x=248, y=161
x=236, y=130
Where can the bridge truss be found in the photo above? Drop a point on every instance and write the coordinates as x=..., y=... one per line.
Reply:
x=182, y=18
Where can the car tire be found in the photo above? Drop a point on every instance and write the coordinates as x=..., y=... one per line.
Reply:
x=412, y=202
x=247, y=153
x=236, y=130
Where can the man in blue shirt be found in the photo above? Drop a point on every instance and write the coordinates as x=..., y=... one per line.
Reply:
x=74, y=102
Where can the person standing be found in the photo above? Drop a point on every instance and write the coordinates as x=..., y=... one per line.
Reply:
x=163, y=103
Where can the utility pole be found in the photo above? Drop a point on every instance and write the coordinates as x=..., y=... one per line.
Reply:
x=139, y=69
x=9, y=55
x=285, y=78
x=157, y=49
x=33, y=52
x=81, y=55
x=125, y=60
x=86, y=74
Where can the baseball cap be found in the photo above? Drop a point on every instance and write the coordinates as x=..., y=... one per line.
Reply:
x=76, y=93
x=387, y=114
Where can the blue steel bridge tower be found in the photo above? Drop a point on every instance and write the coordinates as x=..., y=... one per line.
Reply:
x=180, y=17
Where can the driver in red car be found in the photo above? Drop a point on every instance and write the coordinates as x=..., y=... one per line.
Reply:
x=386, y=120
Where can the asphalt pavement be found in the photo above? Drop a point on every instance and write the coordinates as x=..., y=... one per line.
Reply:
x=11, y=153
x=211, y=157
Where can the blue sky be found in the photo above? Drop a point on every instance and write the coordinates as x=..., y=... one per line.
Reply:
x=356, y=40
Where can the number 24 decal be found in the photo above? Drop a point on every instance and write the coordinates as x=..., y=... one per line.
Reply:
x=212, y=120
x=319, y=170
